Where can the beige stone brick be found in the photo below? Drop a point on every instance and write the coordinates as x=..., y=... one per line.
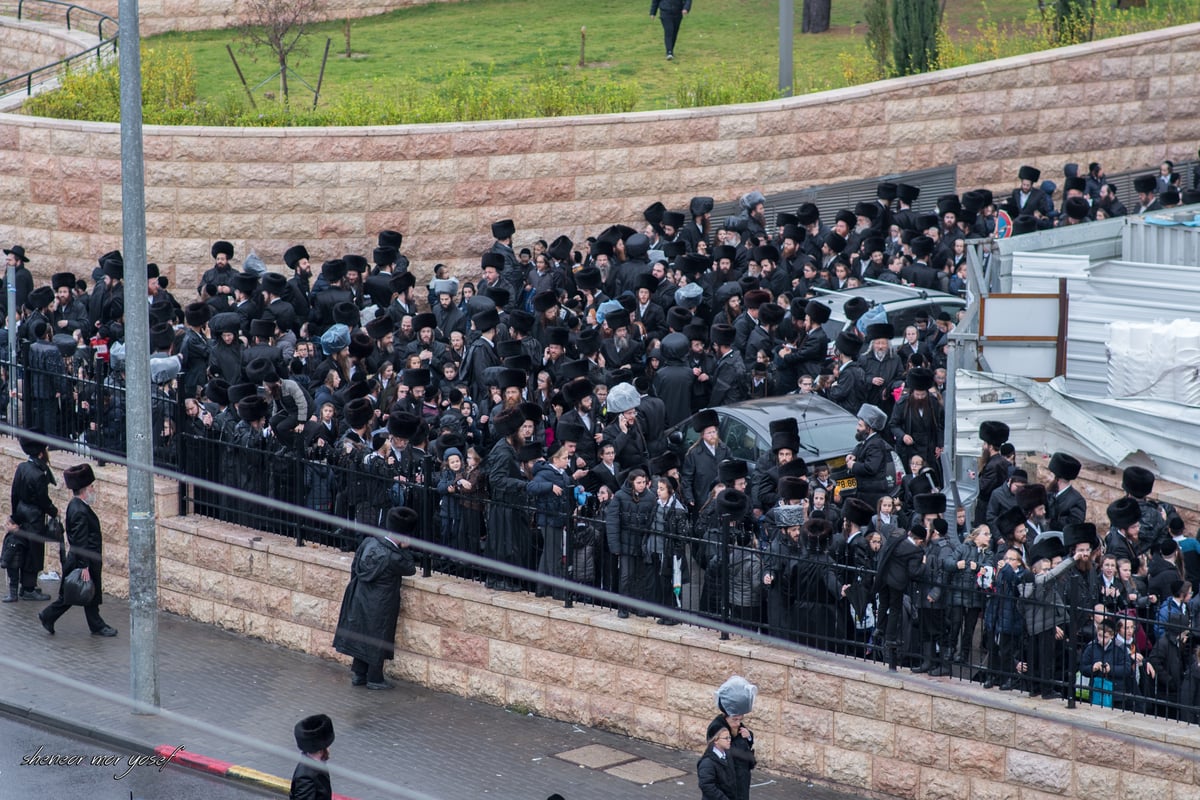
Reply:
x=178, y=577
x=410, y=667
x=814, y=689
x=1162, y=763
x=525, y=694
x=938, y=785
x=866, y=735
x=999, y=726
x=1095, y=781
x=446, y=676
x=288, y=634
x=895, y=778
x=482, y=684
x=806, y=722
x=927, y=748
x=976, y=759
x=908, y=708
x=1034, y=771
x=227, y=617
x=506, y=658
x=983, y=789
x=801, y=756
x=420, y=637
x=688, y=697
x=848, y=768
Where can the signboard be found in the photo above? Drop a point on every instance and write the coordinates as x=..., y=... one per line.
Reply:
x=1024, y=334
x=1004, y=225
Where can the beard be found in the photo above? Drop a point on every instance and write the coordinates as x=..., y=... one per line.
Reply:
x=860, y=435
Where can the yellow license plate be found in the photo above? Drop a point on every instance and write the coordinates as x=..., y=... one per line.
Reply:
x=847, y=483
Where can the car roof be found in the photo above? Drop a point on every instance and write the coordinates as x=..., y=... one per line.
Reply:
x=888, y=295
x=812, y=412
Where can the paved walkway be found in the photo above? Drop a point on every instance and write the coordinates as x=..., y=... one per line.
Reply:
x=419, y=740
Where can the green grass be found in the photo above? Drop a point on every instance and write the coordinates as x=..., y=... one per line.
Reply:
x=497, y=59
x=522, y=37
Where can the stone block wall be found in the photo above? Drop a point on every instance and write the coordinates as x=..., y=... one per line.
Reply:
x=1124, y=102
x=29, y=45
x=836, y=722
x=160, y=16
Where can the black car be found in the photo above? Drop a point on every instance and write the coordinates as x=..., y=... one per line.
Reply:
x=827, y=434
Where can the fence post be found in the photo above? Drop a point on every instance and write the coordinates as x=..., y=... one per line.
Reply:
x=726, y=532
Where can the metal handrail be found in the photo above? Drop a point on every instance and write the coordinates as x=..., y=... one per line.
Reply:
x=27, y=78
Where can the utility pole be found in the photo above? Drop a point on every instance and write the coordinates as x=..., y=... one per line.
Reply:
x=143, y=568
x=787, y=29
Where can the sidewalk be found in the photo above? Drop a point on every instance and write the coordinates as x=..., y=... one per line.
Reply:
x=437, y=744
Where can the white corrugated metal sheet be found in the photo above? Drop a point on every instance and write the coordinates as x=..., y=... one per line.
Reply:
x=1044, y=417
x=1158, y=244
x=1095, y=240
x=1039, y=273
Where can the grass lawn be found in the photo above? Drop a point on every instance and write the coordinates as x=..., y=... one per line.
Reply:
x=524, y=37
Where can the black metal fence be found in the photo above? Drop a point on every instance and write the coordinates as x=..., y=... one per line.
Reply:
x=1008, y=630
x=75, y=17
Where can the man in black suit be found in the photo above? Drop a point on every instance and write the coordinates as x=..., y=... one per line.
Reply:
x=87, y=545
x=1028, y=198
x=1065, y=505
x=899, y=564
x=310, y=781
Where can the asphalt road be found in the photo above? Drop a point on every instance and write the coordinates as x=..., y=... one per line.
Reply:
x=22, y=744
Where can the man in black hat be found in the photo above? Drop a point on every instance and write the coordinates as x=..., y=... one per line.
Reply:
x=1028, y=198
x=899, y=564
x=1146, y=187
x=1005, y=497
x=851, y=386
x=297, y=259
x=1064, y=504
x=1138, y=483
x=1123, y=540
x=994, y=469
x=68, y=313
x=47, y=378
x=871, y=461
x=15, y=257
x=195, y=349
x=30, y=499
x=511, y=273
x=221, y=273
x=729, y=381
x=310, y=780
x=880, y=364
x=692, y=232
x=320, y=314
x=918, y=420
x=366, y=628
x=87, y=546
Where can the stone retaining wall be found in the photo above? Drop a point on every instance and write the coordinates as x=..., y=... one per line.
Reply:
x=29, y=45
x=833, y=721
x=1124, y=102
x=160, y=16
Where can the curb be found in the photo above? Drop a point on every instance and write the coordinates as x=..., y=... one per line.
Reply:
x=180, y=758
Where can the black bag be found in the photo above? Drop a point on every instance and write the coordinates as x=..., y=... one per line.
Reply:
x=12, y=554
x=78, y=587
x=55, y=530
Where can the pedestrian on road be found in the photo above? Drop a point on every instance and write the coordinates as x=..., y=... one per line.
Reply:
x=714, y=771
x=30, y=500
x=366, y=629
x=87, y=551
x=310, y=781
x=670, y=14
x=735, y=699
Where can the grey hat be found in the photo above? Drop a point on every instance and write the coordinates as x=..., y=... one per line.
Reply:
x=873, y=416
x=790, y=516
x=689, y=295
x=623, y=397
x=445, y=286
x=736, y=696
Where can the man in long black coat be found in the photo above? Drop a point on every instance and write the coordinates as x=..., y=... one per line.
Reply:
x=87, y=551
x=310, y=781
x=366, y=629
x=673, y=380
x=31, y=489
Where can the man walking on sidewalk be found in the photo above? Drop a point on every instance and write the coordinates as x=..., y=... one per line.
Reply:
x=87, y=551
x=670, y=14
x=310, y=781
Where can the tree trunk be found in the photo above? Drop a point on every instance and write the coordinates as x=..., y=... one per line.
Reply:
x=283, y=77
x=815, y=16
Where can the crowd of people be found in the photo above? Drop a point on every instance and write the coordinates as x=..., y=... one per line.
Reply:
x=521, y=414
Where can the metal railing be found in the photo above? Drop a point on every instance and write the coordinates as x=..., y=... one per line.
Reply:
x=71, y=14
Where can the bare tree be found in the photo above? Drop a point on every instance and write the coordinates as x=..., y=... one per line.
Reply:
x=279, y=25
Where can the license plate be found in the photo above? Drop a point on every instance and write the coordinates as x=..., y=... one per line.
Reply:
x=847, y=483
